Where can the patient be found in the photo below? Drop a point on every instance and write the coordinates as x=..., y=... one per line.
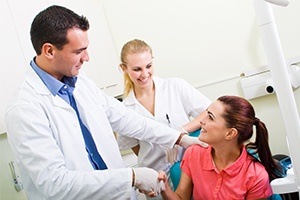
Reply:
x=225, y=170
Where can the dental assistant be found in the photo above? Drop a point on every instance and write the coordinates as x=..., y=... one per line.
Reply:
x=172, y=102
x=57, y=113
x=175, y=102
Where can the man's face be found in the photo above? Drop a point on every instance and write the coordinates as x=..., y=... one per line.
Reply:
x=68, y=61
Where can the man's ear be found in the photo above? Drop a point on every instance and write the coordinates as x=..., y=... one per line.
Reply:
x=232, y=133
x=48, y=50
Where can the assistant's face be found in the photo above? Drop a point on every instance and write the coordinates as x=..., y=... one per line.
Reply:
x=68, y=61
x=213, y=125
x=139, y=69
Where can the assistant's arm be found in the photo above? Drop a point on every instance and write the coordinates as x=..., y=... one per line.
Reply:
x=195, y=104
x=194, y=124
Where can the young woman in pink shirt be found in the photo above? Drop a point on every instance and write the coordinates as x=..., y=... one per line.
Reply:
x=226, y=170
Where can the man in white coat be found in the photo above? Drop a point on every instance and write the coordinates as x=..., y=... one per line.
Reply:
x=47, y=116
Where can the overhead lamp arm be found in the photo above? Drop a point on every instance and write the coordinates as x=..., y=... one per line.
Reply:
x=279, y=2
x=281, y=80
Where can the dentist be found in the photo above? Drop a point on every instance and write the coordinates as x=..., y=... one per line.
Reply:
x=60, y=124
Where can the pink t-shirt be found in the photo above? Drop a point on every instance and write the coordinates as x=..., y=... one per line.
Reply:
x=244, y=179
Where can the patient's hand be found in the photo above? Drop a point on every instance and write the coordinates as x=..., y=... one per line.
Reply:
x=162, y=176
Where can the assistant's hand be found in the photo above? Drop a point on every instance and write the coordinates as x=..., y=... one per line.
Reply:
x=172, y=154
x=146, y=180
x=187, y=141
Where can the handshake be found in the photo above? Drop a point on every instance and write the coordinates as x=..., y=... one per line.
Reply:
x=149, y=181
x=146, y=181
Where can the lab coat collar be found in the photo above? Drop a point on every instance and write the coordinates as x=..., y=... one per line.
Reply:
x=38, y=85
x=131, y=100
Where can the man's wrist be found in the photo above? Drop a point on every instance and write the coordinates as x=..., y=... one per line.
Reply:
x=180, y=138
x=133, y=177
x=183, y=130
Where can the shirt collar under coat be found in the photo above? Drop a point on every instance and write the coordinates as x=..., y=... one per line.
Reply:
x=55, y=86
x=231, y=170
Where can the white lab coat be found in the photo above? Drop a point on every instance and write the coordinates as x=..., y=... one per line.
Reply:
x=45, y=136
x=173, y=97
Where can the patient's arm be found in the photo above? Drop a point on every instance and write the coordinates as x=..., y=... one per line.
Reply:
x=183, y=191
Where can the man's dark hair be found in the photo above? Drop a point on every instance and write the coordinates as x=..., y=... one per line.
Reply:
x=52, y=25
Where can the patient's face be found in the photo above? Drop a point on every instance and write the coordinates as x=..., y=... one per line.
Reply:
x=213, y=126
x=139, y=69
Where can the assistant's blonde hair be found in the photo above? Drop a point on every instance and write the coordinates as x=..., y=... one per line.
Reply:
x=132, y=47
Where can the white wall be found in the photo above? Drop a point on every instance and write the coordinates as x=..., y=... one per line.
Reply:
x=7, y=190
x=196, y=36
x=208, y=43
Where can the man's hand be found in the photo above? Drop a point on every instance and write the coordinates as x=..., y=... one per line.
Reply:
x=187, y=141
x=184, y=141
x=146, y=180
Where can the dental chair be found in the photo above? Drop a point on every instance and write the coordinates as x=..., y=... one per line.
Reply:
x=175, y=171
x=285, y=185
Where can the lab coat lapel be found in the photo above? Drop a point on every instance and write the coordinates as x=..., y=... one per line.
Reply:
x=37, y=84
x=160, y=102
